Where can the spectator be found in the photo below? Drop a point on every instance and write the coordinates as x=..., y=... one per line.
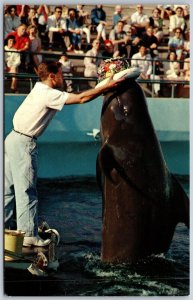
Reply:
x=42, y=13
x=22, y=42
x=143, y=61
x=150, y=41
x=134, y=40
x=139, y=20
x=166, y=11
x=12, y=21
x=74, y=30
x=35, y=46
x=67, y=69
x=98, y=18
x=22, y=11
x=30, y=18
x=57, y=30
x=91, y=60
x=177, y=21
x=186, y=50
x=118, y=16
x=186, y=10
x=109, y=50
x=12, y=60
x=157, y=23
x=83, y=19
x=186, y=69
x=120, y=40
x=176, y=43
x=173, y=68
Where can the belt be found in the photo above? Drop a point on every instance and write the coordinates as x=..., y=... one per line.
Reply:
x=30, y=136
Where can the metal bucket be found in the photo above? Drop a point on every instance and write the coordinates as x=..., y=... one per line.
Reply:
x=14, y=240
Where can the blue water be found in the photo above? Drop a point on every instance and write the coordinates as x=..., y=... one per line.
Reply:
x=74, y=208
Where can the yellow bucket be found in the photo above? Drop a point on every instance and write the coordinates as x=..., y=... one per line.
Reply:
x=14, y=240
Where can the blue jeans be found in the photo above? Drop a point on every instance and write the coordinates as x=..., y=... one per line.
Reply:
x=20, y=178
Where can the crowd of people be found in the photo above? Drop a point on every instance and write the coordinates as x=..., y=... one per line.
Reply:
x=136, y=37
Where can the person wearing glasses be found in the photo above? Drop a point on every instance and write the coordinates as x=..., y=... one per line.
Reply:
x=139, y=20
x=57, y=30
x=20, y=164
x=176, y=43
x=11, y=20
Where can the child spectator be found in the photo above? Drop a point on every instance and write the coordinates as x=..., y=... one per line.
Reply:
x=67, y=69
x=12, y=60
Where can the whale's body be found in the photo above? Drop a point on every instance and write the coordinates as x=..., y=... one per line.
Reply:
x=142, y=201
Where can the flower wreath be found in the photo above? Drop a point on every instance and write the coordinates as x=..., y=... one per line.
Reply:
x=110, y=67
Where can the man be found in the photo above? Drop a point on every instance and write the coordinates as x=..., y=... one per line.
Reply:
x=139, y=20
x=98, y=18
x=120, y=40
x=143, y=61
x=57, y=29
x=91, y=60
x=29, y=122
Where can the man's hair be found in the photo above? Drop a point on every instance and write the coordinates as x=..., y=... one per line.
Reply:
x=45, y=68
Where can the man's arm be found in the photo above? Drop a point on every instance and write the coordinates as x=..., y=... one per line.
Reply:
x=92, y=93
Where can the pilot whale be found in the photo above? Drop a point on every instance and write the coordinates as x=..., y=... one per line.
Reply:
x=142, y=201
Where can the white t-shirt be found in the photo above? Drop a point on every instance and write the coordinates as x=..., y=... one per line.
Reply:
x=38, y=109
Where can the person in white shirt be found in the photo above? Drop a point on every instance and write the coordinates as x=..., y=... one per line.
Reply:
x=20, y=163
x=177, y=21
x=57, y=29
x=139, y=20
x=12, y=60
x=143, y=61
x=90, y=61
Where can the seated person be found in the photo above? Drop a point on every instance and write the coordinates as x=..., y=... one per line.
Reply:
x=91, y=60
x=118, y=16
x=74, y=30
x=67, y=69
x=12, y=60
x=57, y=29
x=173, y=68
x=120, y=40
x=176, y=43
x=177, y=21
x=22, y=43
x=157, y=23
x=139, y=20
x=98, y=18
x=11, y=20
x=84, y=22
x=143, y=61
x=149, y=40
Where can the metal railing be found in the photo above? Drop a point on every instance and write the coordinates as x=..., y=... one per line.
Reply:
x=32, y=77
